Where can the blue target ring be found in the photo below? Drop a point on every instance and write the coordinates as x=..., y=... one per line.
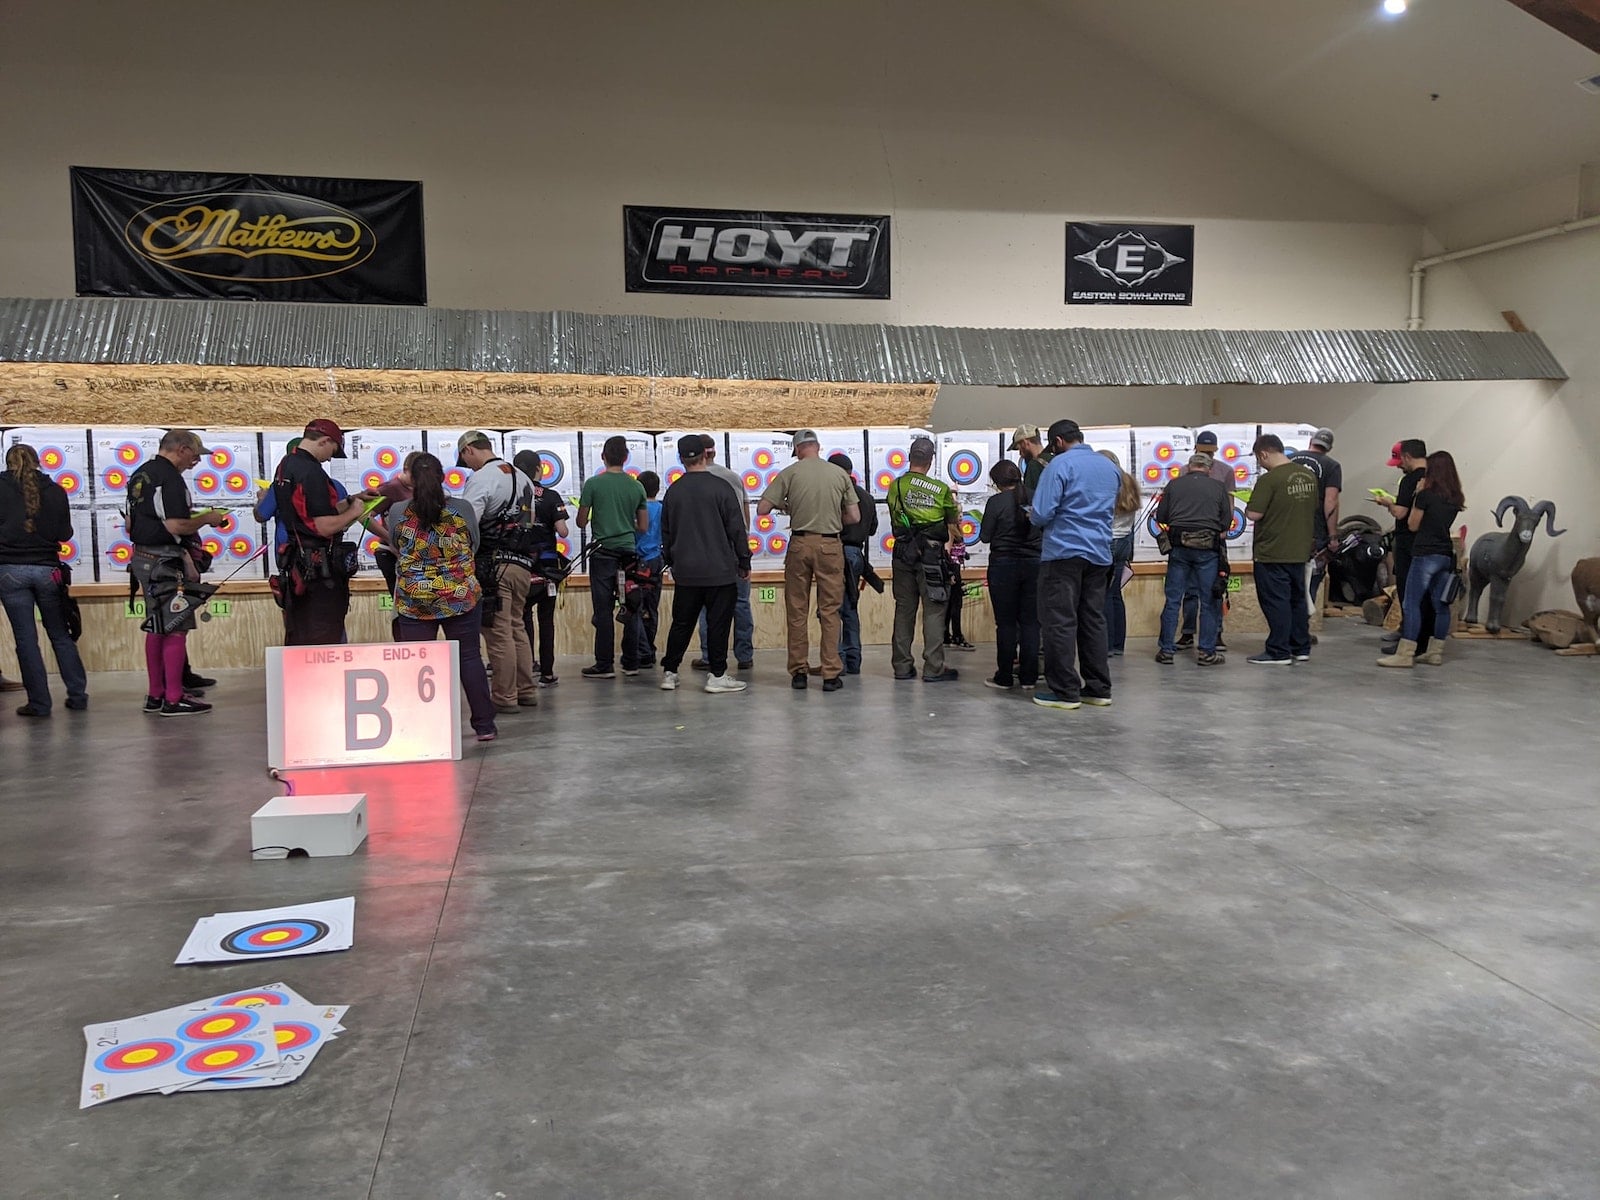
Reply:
x=222, y=1058
x=552, y=470
x=964, y=467
x=1153, y=526
x=138, y=1056
x=274, y=937
x=1236, y=530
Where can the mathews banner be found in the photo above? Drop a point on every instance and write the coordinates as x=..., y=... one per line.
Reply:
x=713, y=251
x=1129, y=264
x=193, y=235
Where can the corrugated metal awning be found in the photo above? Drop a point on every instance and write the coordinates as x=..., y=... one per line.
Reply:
x=234, y=333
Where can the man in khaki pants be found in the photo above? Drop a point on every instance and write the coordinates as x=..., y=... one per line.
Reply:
x=820, y=501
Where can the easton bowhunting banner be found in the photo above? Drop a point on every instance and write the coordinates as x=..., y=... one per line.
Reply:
x=713, y=252
x=194, y=235
x=1129, y=264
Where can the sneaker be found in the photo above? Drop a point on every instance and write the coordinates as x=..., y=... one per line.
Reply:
x=630, y=672
x=1221, y=645
x=1301, y=657
x=727, y=683
x=747, y=664
x=1051, y=700
x=849, y=670
x=832, y=685
x=961, y=644
x=1266, y=660
x=948, y=675
x=152, y=704
x=669, y=681
x=1028, y=687
x=488, y=737
x=1097, y=701
x=903, y=676
x=598, y=672
x=507, y=710
x=197, y=683
x=798, y=681
x=1210, y=660
x=190, y=693
x=700, y=664
x=994, y=682
x=1164, y=657
x=527, y=702
x=548, y=681
x=1186, y=641
x=28, y=710
x=185, y=708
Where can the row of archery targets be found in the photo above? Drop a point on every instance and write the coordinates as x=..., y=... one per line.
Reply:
x=94, y=465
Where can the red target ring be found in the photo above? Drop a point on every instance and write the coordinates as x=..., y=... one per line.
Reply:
x=762, y=459
x=755, y=544
x=120, y=553
x=218, y=1024
x=291, y=1035
x=752, y=480
x=127, y=454
x=70, y=482
x=50, y=458
x=139, y=1056
x=261, y=999
x=221, y=458
x=242, y=547
x=373, y=480
x=884, y=479
x=237, y=482
x=220, y=1058
x=115, y=478
x=896, y=459
x=67, y=551
x=777, y=544
x=1164, y=451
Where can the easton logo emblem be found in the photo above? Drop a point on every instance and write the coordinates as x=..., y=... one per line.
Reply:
x=1129, y=259
x=215, y=234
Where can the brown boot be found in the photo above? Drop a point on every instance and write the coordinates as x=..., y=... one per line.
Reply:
x=1405, y=655
x=1433, y=655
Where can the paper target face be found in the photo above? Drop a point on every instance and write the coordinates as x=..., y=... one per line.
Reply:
x=378, y=455
x=144, y=1055
x=888, y=456
x=964, y=457
x=219, y=1025
x=63, y=455
x=258, y=998
x=558, y=456
x=1295, y=437
x=1161, y=454
x=669, y=466
x=641, y=451
x=221, y=1058
x=295, y=1035
x=169, y=1050
x=117, y=453
x=849, y=442
x=757, y=458
x=769, y=538
x=441, y=443
x=880, y=551
x=228, y=474
x=271, y=933
x=114, y=547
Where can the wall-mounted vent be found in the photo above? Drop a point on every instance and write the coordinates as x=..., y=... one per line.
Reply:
x=1591, y=84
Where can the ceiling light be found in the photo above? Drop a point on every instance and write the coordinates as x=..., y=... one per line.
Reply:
x=1394, y=7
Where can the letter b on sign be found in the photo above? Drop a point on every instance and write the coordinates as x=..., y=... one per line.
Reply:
x=357, y=706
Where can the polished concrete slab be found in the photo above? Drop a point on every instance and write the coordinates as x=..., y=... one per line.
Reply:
x=1325, y=932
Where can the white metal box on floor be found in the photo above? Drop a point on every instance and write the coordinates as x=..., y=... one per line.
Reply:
x=321, y=826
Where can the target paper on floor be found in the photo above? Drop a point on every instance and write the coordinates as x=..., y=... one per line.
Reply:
x=116, y=454
x=441, y=443
x=63, y=455
x=272, y=933
x=641, y=451
x=888, y=456
x=1161, y=454
x=172, y=1049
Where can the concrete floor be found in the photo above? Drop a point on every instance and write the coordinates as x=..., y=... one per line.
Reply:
x=1327, y=932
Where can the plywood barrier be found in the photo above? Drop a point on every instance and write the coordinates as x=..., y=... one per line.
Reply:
x=249, y=620
x=287, y=397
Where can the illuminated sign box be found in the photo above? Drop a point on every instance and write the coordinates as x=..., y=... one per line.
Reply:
x=343, y=706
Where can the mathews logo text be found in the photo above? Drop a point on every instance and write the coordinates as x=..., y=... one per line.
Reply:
x=214, y=234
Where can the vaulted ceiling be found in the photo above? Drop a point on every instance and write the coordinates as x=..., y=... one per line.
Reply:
x=1453, y=101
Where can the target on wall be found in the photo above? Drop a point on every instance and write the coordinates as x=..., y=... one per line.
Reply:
x=230, y=471
x=63, y=455
x=849, y=442
x=769, y=536
x=441, y=443
x=888, y=456
x=1162, y=454
x=758, y=457
x=964, y=458
x=641, y=451
x=558, y=455
x=115, y=548
x=117, y=455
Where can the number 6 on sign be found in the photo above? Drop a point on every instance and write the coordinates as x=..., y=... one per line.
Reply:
x=332, y=706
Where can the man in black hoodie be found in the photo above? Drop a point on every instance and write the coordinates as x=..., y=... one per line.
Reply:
x=706, y=547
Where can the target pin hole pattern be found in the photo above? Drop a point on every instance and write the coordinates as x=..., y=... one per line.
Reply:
x=273, y=937
x=139, y=1056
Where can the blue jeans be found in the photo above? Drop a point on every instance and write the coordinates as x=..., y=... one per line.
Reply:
x=744, y=627
x=855, y=559
x=1281, y=591
x=1191, y=571
x=22, y=589
x=1418, y=603
x=465, y=631
x=1116, y=610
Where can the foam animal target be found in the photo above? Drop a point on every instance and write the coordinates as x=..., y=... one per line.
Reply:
x=63, y=455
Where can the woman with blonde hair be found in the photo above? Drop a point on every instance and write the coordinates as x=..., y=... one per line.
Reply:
x=1124, y=515
x=34, y=521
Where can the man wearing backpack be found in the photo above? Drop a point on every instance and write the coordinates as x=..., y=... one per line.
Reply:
x=502, y=498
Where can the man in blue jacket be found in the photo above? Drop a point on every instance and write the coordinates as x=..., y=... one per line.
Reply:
x=1072, y=507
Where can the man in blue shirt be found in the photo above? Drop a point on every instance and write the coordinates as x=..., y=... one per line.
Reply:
x=1072, y=507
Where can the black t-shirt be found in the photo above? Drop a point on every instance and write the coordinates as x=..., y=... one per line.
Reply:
x=861, y=532
x=548, y=508
x=310, y=492
x=156, y=494
x=1404, y=498
x=1433, y=533
x=1329, y=475
x=52, y=523
x=1005, y=526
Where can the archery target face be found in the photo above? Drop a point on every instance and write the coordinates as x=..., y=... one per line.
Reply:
x=221, y=1058
x=757, y=458
x=142, y=1055
x=1235, y=446
x=971, y=524
x=117, y=454
x=1295, y=437
x=558, y=456
x=641, y=451
x=668, y=465
x=63, y=455
x=263, y=998
x=849, y=442
x=274, y=937
x=769, y=538
x=114, y=549
x=227, y=476
x=233, y=542
x=1161, y=454
x=880, y=550
x=378, y=455
x=217, y=1024
x=888, y=456
x=963, y=458
x=441, y=443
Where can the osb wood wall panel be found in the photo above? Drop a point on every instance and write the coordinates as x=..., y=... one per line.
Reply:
x=286, y=397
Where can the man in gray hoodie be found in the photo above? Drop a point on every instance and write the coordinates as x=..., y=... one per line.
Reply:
x=706, y=547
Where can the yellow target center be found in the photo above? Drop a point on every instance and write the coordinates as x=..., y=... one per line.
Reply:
x=220, y=1058
x=277, y=935
x=219, y=1025
x=139, y=1056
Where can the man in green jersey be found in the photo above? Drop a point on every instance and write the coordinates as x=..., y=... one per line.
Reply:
x=923, y=515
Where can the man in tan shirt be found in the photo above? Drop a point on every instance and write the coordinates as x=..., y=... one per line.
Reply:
x=820, y=501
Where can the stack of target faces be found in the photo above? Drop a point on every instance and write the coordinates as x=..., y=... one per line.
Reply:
x=255, y=1038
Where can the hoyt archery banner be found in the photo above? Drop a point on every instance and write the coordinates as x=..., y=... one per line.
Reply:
x=717, y=252
x=193, y=235
x=1129, y=264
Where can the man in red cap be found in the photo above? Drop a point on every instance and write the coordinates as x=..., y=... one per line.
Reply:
x=316, y=564
x=1411, y=456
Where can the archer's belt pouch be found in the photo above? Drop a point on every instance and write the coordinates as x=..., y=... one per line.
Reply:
x=1201, y=539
